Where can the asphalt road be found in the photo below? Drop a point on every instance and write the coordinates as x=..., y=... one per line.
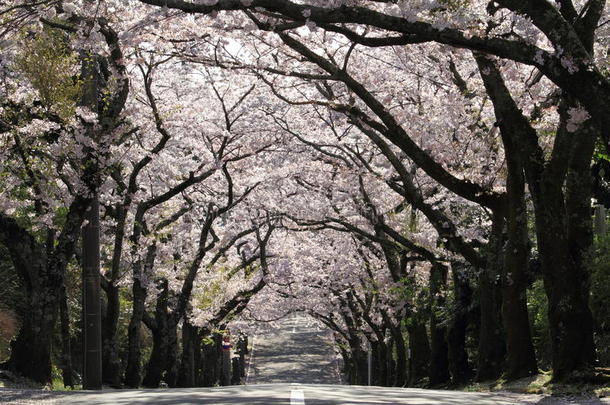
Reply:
x=286, y=394
x=295, y=350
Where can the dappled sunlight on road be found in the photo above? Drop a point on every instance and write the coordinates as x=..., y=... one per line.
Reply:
x=275, y=394
x=295, y=350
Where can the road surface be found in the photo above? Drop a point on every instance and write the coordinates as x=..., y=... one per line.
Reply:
x=284, y=394
x=295, y=350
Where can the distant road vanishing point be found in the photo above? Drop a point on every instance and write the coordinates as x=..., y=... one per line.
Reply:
x=295, y=350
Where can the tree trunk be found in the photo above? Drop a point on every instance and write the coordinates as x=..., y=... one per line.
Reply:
x=133, y=372
x=439, y=363
x=211, y=361
x=570, y=318
x=66, y=353
x=41, y=271
x=208, y=360
x=198, y=360
x=457, y=356
x=381, y=364
x=491, y=339
x=564, y=231
x=235, y=376
x=400, y=376
x=31, y=350
x=419, y=352
x=111, y=364
x=357, y=366
x=356, y=369
x=361, y=365
x=579, y=189
x=345, y=370
x=187, y=375
x=563, y=220
x=157, y=362
x=521, y=359
x=171, y=362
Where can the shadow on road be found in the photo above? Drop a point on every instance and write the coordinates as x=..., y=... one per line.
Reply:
x=296, y=350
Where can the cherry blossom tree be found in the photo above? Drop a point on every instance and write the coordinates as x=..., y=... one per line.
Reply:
x=556, y=40
x=58, y=158
x=395, y=146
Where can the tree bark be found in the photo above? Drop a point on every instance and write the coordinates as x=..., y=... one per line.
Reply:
x=491, y=339
x=401, y=373
x=133, y=371
x=172, y=362
x=457, y=356
x=439, y=362
x=570, y=318
x=561, y=192
x=521, y=359
x=379, y=366
x=111, y=363
x=42, y=268
x=187, y=375
x=157, y=362
x=31, y=350
x=419, y=352
x=211, y=361
x=66, y=352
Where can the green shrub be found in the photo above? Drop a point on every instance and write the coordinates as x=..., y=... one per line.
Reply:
x=537, y=305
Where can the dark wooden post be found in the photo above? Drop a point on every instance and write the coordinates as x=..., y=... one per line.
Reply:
x=92, y=314
x=600, y=220
x=92, y=309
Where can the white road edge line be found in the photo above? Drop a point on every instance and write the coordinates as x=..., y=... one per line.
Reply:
x=250, y=361
x=297, y=397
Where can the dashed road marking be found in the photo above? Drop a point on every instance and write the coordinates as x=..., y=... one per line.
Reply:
x=297, y=397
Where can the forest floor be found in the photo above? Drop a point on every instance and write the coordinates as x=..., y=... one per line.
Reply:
x=577, y=391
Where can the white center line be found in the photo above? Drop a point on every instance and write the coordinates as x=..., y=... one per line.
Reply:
x=297, y=397
x=294, y=324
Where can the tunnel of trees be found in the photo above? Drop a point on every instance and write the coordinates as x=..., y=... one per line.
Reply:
x=428, y=179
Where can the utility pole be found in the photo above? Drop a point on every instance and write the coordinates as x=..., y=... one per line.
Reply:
x=92, y=314
x=369, y=362
x=600, y=220
x=92, y=311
